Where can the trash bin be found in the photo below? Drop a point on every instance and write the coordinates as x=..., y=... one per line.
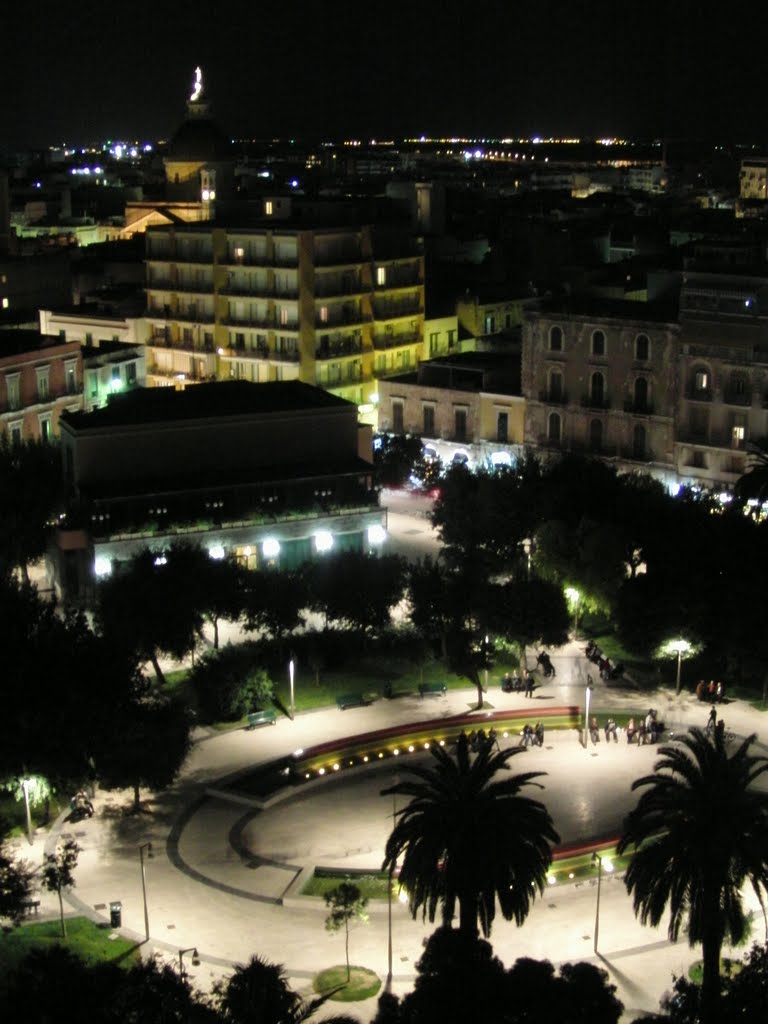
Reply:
x=116, y=913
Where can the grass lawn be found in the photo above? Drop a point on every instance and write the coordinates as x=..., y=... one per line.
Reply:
x=373, y=886
x=362, y=983
x=84, y=938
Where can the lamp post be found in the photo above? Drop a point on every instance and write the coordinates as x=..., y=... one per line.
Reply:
x=485, y=659
x=195, y=958
x=148, y=848
x=526, y=542
x=587, y=698
x=291, y=670
x=596, y=857
x=681, y=647
x=389, y=897
x=25, y=791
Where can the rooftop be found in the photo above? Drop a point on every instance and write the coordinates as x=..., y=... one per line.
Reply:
x=16, y=341
x=206, y=401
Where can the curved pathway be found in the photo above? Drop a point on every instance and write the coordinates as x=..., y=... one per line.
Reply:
x=224, y=873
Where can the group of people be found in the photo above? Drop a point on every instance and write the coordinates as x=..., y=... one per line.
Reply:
x=518, y=684
x=646, y=732
x=532, y=736
x=480, y=740
x=80, y=805
x=606, y=668
x=712, y=691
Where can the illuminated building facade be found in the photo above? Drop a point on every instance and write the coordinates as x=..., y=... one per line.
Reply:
x=40, y=378
x=336, y=307
x=271, y=474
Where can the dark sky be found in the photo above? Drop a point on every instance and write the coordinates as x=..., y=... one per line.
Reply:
x=90, y=70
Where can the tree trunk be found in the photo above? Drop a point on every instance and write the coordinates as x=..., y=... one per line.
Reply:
x=215, y=634
x=711, y=947
x=136, y=800
x=156, y=666
x=346, y=946
x=24, y=569
x=61, y=911
x=480, y=691
x=468, y=915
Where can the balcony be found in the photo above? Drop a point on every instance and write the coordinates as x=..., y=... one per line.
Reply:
x=192, y=316
x=699, y=394
x=554, y=397
x=166, y=285
x=287, y=356
x=265, y=320
x=396, y=310
x=339, y=349
x=739, y=398
x=341, y=290
x=387, y=341
x=343, y=319
x=410, y=281
x=191, y=257
x=338, y=259
x=595, y=402
x=639, y=408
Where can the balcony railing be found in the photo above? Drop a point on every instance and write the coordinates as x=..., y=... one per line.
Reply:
x=342, y=259
x=343, y=319
x=639, y=408
x=339, y=349
x=265, y=320
x=595, y=402
x=288, y=356
x=396, y=310
x=699, y=394
x=554, y=397
x=737, y=398
x=387, y=341
x=166, y=285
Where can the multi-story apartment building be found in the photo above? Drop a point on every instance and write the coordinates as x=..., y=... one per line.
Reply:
x=40, y=378
x=466, y=407
x=723, y=373
x=604, y=385
x=336, y=307
x=268, y=474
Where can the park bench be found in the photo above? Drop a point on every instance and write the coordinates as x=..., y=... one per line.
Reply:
x=438, y=689
x=351, y=700
x=261, y=718
x=30, y=906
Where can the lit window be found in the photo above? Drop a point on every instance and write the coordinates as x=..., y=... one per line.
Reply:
x=5, y=303
x=284, y=315
x=324, y=314
x=701, y=380
x=381, y=275
x=239, y=253
x=268, y=207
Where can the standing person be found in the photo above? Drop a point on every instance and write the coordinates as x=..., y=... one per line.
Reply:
x=720, y=728
x=506, y=683
x=631, y=730
x=594, y=731
x=719, y=691
x=539, y=733
x=528, y=683
x=515, y=681
x=610, y=730
x=712, y=690
x=712, y=720
x=701, y=690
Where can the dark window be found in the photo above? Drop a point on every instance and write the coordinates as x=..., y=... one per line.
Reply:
x=429, y=420
x=555, y=386
x=641, y=393
x=598, y=343
x=553, y=427
x=642, y=347
x=597, y=388
x=397, y=417
x=638, y=441
x=460, y=420
x=596, y=435
x=555, y=339
x=502, y=428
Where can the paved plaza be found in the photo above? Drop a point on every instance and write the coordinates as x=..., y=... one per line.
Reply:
x=224, y=874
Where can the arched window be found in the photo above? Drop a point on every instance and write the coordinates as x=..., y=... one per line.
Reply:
x=641, y=394
x=598, y=343
x=638, y=441
x=553, y=427
x=555, y=386
x=555, y=339
x=596, y=435
x=597, y=388
x=642, y=348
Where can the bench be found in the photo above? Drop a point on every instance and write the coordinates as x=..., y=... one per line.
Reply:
x=261, y=718
x=30, y=906
x=438, y=689
x=351, y=700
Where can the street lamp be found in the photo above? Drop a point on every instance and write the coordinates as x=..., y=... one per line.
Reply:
x=609, y=868
x=25, y=791
x=195, y=958
x=291, y=669
x=527, y=542
x=485, y=659
x=681, y=647
x=148, y=848
x=587, y=698
x=389, y=896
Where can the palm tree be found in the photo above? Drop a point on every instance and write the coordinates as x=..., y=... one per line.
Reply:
x=753, y=483
x=700, y=831
x=258, y=993
x=466, y=836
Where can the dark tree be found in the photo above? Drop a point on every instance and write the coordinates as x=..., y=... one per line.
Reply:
x=228, y=684
x=59, y=873
x=395, y=456
x=357, y=590
x=146, y=747
x=470, y=838
x=699, y=831
x=30, y=497
x=275, y=601
x=16, y=880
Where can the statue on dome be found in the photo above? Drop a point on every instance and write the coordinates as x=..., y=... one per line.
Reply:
x=197, y=90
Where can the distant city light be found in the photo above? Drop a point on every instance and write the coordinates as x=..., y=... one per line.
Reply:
x=323, y=541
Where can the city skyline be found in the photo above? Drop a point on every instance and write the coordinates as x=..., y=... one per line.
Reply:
x=308, y=69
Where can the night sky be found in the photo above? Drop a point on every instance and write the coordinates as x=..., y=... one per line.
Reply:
x=328, y=68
